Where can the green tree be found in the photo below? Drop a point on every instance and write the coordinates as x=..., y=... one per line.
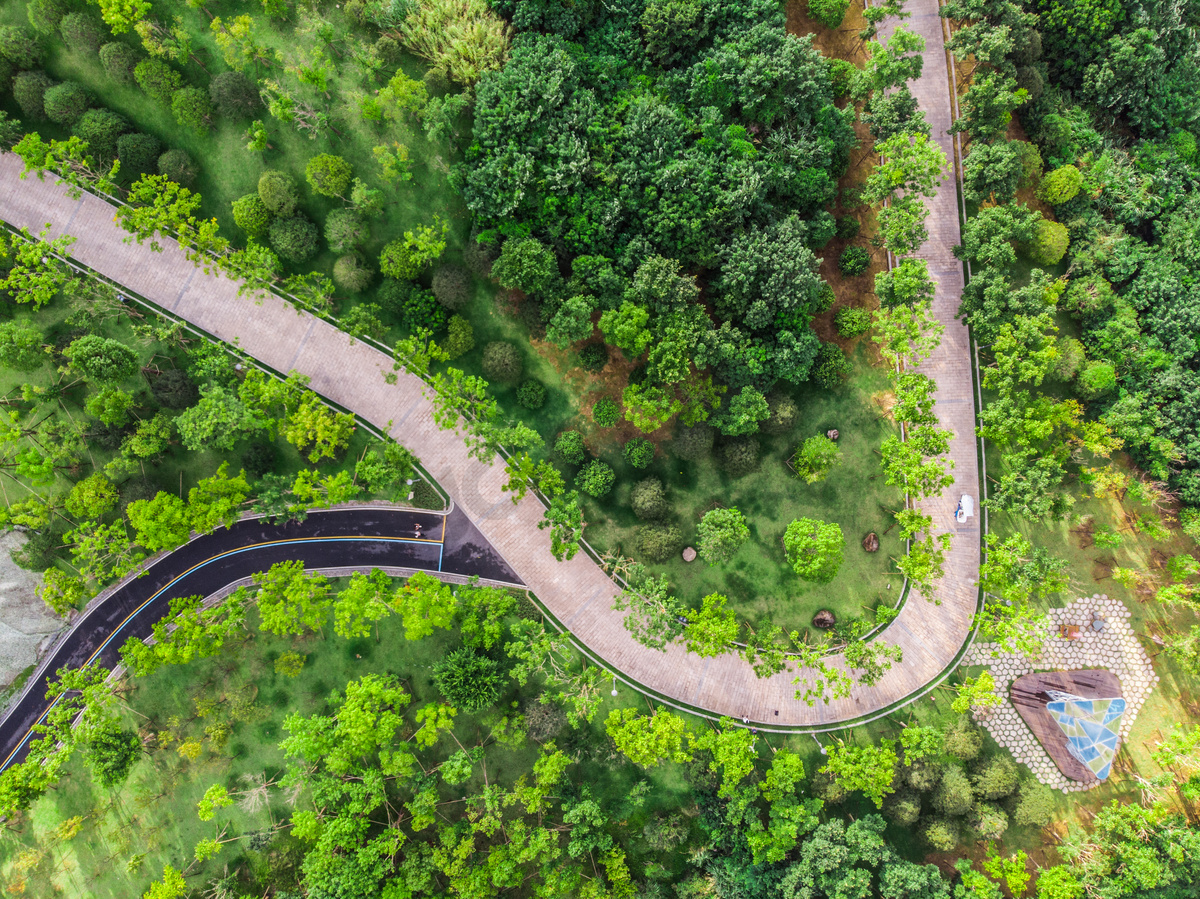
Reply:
x=650, y=740
x=746, y=410
x=817, y=456
x=361, y=604
x=572, y=322
x=625, y=328
x=870, y=769
x=814, y=549
x=424, y=603
x=216, y=501
x=404, y=258
x=217, y=422
x=101, y=359
x=711, y=630
x=290, y=600
x=192, y=108
x=160, y=523
x=469, y=680
x=329, y=175
x=22, y=346
x=525, y=264
x=722, y=533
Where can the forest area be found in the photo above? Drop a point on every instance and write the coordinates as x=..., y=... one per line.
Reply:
x=639, y=251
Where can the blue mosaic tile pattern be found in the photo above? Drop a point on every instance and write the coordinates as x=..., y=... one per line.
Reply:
x=1091, y=727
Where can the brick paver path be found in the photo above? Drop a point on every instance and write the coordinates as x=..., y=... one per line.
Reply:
x=578, y=592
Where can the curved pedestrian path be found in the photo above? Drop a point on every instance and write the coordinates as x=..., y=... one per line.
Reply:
x=577, y=593
x=337, y=541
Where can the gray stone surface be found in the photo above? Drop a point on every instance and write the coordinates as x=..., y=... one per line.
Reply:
x=25, y=621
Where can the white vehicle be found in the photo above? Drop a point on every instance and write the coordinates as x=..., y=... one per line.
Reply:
x=966, y=508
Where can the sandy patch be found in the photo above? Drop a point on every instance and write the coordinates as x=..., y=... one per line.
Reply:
x=25, y=621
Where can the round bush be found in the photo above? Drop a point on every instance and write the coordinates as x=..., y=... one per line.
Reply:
x=784, y=413
x=954, y=795
x=234, y=95
x=81, y=31
x=594, y=357
x=470, y=682
x=179, y=167
x=854, y=261
x=532, y=394
x=119, y=61
x=452, y=286
x=192, y=108
x=941, y=834
x=294, y=238
x=1061, y=185
x=828, y=12
x=479, y=257
x=963, y=741
x=739, y=457
x=569, y=446
x=825, y=299
x=831, y=367
x=260, y=458
x=639, y=452
x=101, y=128
x=66, y=103
x=658, y=542
x=157, y=79
x=847, y=228
x=605, y=412
x=44, y=15
x=411, y=306
x=460, y=337
x=1096, y=379
x=1071, y=358
x=596, y=478
x=328, y=175
x=851, y=321
x=1036, y=806
x=278, y=192
x=502, y=362
x=694, y=443
x=20, y=46
x=138, y=153
x=351, y=273
x=903, y=809
x=345, y=230
x=29, y=90
x=1050, y=242
x=250, y=214
x=649, y=500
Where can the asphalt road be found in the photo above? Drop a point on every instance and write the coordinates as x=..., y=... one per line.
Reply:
x=340, y=538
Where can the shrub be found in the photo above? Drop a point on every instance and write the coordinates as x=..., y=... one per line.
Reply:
x=694, y=443
x=278, y=192
x=80, y=31
x=814, y=549
x=816, y=457
x=543, y=720
x=854, y=261
x=1036, y=805
x=192, y=108
x=412, y=306
x=1071, y=358
x=406, y=256
x=531, y=394
x=990, y=821
x=250, y=214
x=178, y=166
x=157, y=79
x=452, y=286
x=941, y=834
x=502, y=362
x=20, y=46
x=1061, y=185
x=470, y=682
x=1189, y=523
x=101, y=358
x=569, y=447
x=174, y=389
x=328, y=175
x=101, y=128
x=66, y=103
x=903, y=809
x=1050, y=242
x=138, y=153
x=351, y=273
x=825, y=299
x=658, y=542
x=997, y=779
x=953, y=795
x=963, y=740
x=828, y=12
x=234, y=95
x=1031, y=164
x=594, y=357
x=923, y=774
x=345, y=230
x=119, y=61
x=639, y=452
x=294, y=238
x=260, y=459
x=784, y=413
x=596, y=478
x=461, y=337
x=648, y=500
x=605, y=412
x=722, y=533
x=479, y=257
x=739, y=457
x=44, y=15
x=852, y=321
x=831, y=367
x=29, y=90
x=1097, y=379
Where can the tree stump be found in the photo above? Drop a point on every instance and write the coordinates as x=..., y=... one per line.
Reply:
x=824, y=620
x=689, y=555
x=832, y=434
x=871, y=542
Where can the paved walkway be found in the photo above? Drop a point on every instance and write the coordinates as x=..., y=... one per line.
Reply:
x=578, y=592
